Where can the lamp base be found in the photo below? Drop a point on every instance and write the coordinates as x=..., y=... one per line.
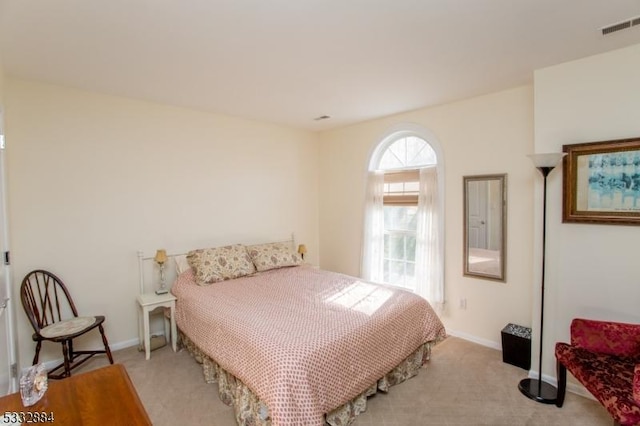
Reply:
x=162, y=291
x=539, y=391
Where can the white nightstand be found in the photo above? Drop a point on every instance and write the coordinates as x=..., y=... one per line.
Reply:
x=148, y=302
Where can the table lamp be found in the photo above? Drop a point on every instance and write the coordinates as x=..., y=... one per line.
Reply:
x=302, y=249
x=161, y=258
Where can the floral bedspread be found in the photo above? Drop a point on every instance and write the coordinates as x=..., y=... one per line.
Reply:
x=305, y=341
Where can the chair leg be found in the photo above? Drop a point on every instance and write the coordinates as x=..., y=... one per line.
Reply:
x=37, y=355
x=106, y=344
x=72, y=354
x=562, y=383
x=65, y=354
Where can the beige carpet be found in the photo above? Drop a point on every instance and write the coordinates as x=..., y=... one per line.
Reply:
x=463, y=384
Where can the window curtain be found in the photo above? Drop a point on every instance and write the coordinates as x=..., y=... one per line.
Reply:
x=373, y=239
x=429, y=262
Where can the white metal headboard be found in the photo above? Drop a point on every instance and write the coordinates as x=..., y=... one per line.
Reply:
x=171, y=256
x=142, y=259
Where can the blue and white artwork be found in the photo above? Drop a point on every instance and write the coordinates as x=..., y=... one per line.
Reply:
x=614, y=181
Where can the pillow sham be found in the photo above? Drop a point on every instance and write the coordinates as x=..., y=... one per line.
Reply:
x=273, y=255
x=217, y=264
x=182, y=264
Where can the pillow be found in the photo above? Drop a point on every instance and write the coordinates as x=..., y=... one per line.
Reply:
x=273, y=255
x=220, y=263
x=182, y=264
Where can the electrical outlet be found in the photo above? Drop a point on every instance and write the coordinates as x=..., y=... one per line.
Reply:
x=463, y=303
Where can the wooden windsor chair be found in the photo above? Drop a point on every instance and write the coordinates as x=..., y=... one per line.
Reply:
x=54, y=317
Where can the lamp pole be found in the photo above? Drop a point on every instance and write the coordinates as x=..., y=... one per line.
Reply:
x=537, y=389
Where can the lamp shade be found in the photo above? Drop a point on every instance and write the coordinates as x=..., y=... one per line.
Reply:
x=302, y=249
x=548, y=160
x=161, y=256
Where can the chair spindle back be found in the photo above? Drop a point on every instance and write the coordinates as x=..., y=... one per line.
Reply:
x=44, y=298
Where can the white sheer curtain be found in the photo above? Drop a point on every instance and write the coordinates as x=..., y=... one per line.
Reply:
x=373, y=241
x=429, y=262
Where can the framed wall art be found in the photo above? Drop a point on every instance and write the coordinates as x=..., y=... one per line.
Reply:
x=601, y=182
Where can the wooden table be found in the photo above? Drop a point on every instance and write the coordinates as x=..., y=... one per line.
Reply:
x=104, y=396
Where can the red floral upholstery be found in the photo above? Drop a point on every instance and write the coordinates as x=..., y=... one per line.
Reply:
x=605, y=358
x=636, y=384
x=613, y=338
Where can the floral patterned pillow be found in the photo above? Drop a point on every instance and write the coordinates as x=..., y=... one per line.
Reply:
x=273, y=255
x=212, y=265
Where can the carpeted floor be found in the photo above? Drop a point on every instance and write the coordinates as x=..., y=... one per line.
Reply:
x=463, y=384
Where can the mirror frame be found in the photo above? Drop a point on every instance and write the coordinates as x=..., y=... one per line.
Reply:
x=502, y=275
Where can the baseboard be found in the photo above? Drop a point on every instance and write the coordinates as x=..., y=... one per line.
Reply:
x=483, y=342
x=578, y=389
x=113, y=346
x=575, y=388
x=126, y=344
x=571, y=387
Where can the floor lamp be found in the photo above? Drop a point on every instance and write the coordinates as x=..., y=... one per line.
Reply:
x=537, y=389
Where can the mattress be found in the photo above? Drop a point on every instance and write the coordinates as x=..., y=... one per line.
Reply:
x=304, y=340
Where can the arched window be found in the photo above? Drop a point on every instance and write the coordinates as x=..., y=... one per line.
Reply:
x=403, y=152
x=402, y=224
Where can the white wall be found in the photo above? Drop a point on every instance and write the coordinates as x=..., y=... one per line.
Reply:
x=1, y=80
x=4, y=293
x=487, y=134
x=94, y=178
x=592, y=269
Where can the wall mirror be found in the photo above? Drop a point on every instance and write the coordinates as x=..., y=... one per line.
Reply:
x=485, y=226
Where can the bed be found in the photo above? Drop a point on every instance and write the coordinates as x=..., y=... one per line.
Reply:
x=291, y=344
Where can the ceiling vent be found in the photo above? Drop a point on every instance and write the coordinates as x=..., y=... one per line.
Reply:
x=621, y=26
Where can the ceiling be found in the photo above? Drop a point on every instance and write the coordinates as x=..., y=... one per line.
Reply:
x=289, y=61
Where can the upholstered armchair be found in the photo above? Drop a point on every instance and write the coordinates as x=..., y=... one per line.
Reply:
x=605, y=358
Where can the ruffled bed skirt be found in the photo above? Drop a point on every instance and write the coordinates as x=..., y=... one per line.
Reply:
x=250, y=411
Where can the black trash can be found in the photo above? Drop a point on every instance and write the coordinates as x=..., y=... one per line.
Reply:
x=516, y=345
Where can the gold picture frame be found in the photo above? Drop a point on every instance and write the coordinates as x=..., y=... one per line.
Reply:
x=601, y=182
